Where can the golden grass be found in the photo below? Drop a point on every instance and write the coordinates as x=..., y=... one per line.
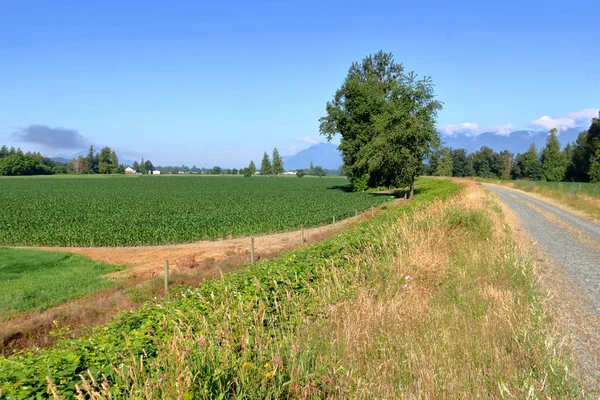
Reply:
x=444, y=318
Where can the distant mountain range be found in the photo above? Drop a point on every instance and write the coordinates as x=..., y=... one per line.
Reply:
x=516, y=142
x=65, y=159
x=324, y=154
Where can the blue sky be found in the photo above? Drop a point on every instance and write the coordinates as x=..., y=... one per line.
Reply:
x=219, y=83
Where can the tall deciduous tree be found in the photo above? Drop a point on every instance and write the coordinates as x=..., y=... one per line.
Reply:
x=104, y=161
x=277, y=163
x=265, y=166
x=386, y=120
x=554, y=163
x=114, y=163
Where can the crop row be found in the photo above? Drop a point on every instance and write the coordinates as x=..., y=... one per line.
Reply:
x=130, y=211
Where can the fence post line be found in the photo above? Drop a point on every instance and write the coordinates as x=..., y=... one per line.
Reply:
x=252, y=250
x=166, y=276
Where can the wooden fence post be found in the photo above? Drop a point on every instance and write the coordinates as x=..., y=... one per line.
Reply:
x=252, y=250
x=166, y=276
x=302, y=234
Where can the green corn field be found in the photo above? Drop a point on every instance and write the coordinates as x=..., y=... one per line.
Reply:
x=150, y=210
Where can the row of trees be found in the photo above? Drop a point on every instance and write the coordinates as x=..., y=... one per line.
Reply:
x=104, y=162
x=579, y=161
x=268, y=167
x=15, y=162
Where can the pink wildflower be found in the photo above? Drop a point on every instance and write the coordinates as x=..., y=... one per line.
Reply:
x=201, y=341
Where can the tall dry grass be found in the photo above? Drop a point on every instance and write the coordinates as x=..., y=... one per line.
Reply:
x=440, y=304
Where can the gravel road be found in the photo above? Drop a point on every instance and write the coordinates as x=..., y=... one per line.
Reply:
x=571, y=241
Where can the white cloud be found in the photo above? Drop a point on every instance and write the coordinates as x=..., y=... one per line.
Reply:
x=473, y=129
x=501, y=130
x=308, y=139
x=466, y=128
x=574, y=119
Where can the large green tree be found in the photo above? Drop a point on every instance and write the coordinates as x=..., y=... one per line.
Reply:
x=461, y=164
x=386, y=120
x=554, y=163
x=3, y=151
x=265, y=166
x=104, y=161
x=277, y=163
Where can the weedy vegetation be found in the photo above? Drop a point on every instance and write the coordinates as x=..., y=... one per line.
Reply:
x=432, y=299
x=581, y=196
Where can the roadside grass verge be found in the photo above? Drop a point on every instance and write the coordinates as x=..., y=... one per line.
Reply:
x=581, y=196
x=35, y=280
x=432, y=299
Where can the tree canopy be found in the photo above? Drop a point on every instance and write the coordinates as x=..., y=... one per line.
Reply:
x=386, y=120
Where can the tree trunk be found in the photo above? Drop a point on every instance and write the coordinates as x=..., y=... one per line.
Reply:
x=412, y=189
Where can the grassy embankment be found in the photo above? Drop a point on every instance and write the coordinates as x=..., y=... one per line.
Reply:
x=581, y=196
x=33, y=280
x=433, y=299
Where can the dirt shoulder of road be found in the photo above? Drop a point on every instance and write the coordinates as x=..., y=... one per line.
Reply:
x=595, y=202
x=566, y=303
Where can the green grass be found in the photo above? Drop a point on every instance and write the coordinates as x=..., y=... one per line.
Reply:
x=573, y=188
x=35, y=280
x=144, y=210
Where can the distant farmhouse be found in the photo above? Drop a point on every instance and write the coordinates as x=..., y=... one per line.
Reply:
x=129, y=171
x=155, y=172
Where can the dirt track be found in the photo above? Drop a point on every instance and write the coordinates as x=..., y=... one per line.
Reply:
x=148, y=261
x=568, y=256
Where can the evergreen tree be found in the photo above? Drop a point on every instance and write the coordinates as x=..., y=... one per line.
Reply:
x=3, y=151
x=554, y=164
x=136, y=166
x=532, y=167
x=265, y=166
x=444, y=167
x=311, y=169
x=92, y=161
x=142, y=166
x=251, y=168
x=277, y=163
x=12, y=150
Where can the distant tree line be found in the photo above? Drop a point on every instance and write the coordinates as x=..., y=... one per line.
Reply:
x=104, y=162
x=15, y=162
x=579, y=161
